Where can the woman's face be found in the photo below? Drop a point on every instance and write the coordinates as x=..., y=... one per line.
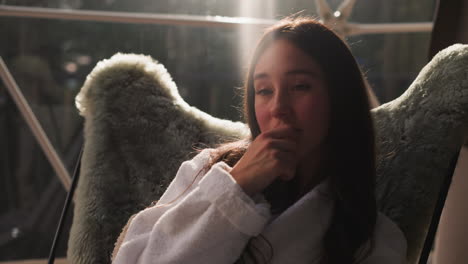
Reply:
x=290, y=90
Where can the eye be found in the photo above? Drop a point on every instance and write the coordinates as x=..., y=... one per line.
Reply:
x=301, y=87
x=263, y=91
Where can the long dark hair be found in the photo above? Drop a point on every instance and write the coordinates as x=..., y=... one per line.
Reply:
x=349, y=161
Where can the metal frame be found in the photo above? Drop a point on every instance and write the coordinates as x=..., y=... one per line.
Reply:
x=338, y=20
x=134, y=18
x=34, y=125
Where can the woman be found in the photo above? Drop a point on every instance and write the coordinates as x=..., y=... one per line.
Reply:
x=301, y=190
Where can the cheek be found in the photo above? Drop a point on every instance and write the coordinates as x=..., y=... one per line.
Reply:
x=314, y=113
x=262, y=116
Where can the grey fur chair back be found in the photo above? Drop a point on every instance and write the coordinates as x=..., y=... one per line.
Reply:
x=138, y=130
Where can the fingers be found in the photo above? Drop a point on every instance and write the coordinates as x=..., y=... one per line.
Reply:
x=271, y=155
x=280, y=143
x=283, y=145
x=286, y=164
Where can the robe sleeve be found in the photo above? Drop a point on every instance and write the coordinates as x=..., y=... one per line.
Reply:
x=210, y=223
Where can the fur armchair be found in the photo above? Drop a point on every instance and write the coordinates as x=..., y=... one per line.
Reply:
x=138, y=130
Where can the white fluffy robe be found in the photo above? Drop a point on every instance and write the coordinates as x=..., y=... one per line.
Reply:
x=213, y=220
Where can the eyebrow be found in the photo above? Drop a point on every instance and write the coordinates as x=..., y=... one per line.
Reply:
x=264, y=75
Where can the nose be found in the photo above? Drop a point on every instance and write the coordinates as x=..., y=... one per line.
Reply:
x=281, y=108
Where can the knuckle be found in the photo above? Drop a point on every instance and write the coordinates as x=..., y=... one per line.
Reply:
x=262, y=136
x=270, y=144
x=276, y=156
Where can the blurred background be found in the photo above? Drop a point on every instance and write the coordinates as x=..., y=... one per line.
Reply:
x=50, y=59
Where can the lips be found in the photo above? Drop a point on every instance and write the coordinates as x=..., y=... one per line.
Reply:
x=296, y=129
x=284, y=124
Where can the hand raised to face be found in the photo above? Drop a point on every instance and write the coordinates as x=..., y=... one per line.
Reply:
x=272, y=155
